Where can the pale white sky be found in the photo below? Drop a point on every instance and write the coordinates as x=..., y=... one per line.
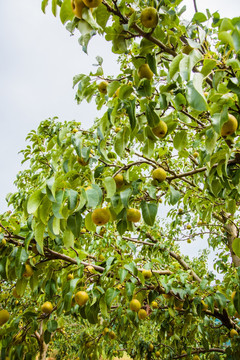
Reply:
x=38, y=61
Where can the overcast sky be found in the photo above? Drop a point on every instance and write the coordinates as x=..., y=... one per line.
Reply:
x=38, y=61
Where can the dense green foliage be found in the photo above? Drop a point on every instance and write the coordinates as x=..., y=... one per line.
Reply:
x=51, y=247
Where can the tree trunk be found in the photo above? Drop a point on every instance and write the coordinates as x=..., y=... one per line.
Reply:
x=43, y=351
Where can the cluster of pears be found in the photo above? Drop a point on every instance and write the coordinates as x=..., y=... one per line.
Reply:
x=135, y=306
x=78, y=5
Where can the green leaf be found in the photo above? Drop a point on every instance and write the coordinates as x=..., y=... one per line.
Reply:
x=110, y=295
x=124, y=93
x=180, y=140
x=125, y=195
x=54, y=7
x=151, y=60
x=103, y=307
x=175, y=196
x=226, y=24
x=199, y=17
x=231, y=206
x=185, y=67
x=94, y=196
x=66, y=12
x=34, y=201
x=44, y=5
x=208, y=65
x=236, y=247
x=122, y=226
x=121, y=141
x=174, y=66
x=92, y=313
x=52, y=325
x=89, y=224
x=68, y=238
x=130, y=108
x=152, y=118
x=72, y=198
x=38, y=233
x=110, y=186
x=45, y=209
x=131, y=268
x=236, y=301
x=236, y=39
x=102, y=15
x=210, y=141
x=195, y=95
x=74, y=223
x=226, y=38
x=149, y=212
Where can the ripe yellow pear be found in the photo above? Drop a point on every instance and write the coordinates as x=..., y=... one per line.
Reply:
x=189, y=226
x=196, y=357
x=133, y=215
x=105, y=331
x=154, y=305
x=160, y=130
x=4, y=317
x=233, y=333
x=157, y=353
x=90, y=269
x=101, y=216
x=135, y=305
x=195, y=154
x=28, y=271
x=142, y=314
x=149, y=17
x=47, y=307
x=159, y=174
x=147, y=273
x=102, y=87
x=151, y=347
x=77, y=8
x=4, y=242
x=70, y=276
x=92, y=3
x=112, y=334
x=144, y=71
x=81, y=298
x=230, y=126
x=119, y=180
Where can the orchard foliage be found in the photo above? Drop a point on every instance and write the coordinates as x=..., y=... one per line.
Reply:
x=170, y=117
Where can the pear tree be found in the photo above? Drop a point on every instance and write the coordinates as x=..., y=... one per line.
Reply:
x=93, y=259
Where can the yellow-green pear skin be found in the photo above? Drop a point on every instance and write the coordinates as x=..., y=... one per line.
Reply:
x=102, y=87
x=100, y=216
x=133, y=215
x=230, y=126
x=77, y=8
x=160, y=130
x=144, y=72
x=149, y=17
x=92, y=3
x=159, y=174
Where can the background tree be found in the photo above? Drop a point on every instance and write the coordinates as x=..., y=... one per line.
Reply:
x=84, y=246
